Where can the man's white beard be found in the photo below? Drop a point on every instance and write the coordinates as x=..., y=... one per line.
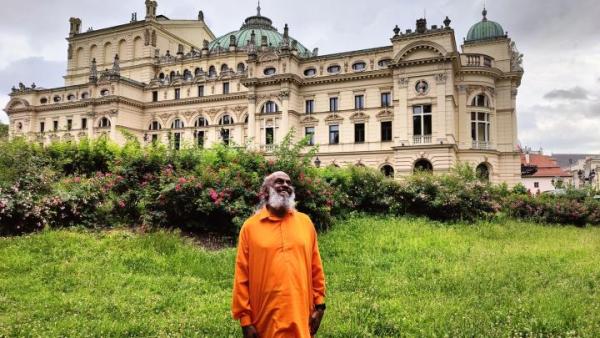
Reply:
x=277, y=201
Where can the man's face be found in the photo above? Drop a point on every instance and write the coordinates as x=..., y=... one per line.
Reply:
x=283, y=185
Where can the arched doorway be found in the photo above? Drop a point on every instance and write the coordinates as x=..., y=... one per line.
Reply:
x=423, y=165
x=483, y=172
x=387, y=170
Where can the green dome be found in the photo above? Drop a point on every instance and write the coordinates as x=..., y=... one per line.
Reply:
x=485, y=29
x=261, y=26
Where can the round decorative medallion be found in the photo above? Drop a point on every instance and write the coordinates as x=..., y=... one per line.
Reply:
x=422, y=87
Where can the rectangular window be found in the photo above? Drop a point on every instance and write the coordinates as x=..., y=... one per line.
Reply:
x=155, y=96
x=386, y=131
x=386, y=99
x=154, y=138
x=359, y=133
x=269, y=135
x=200, y=139
x=55, y=125
x=177, y=93
x=69, y=124
x=333, y=104
x=84, y=123
x=200, y=91
x=225, y=136
x=309, y=106
x=177, y=141
x=480, y=127
x=359, y=102
x=310, y=132
x=42, y=127
x=422, y=120
x=334, y=134
x=536, y=184
x=225, y=87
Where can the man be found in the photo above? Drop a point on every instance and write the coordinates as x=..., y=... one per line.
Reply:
x=279, y=285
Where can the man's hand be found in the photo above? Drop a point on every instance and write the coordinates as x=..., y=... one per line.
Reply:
x=315, y=321
x=249, y=331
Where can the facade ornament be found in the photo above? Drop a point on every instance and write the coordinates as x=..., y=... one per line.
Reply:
x=200, y=16
x=514, y=92
x=462, y=89
x=516, y=58
x=70, y=52
x=33, y=85
x=232, y=42
x=75, y=26
x=447, y=22
x=146, y=37
x=153, y=38
x=93, y=71
x=422, y=87
x=396, y=30
x=14, y=89
x=284, y=94
x=403, y=82
x=204, y=44
x=179, y=49
x=315, y=52
x=441, y=78
x=116, y=68
x=22, y=86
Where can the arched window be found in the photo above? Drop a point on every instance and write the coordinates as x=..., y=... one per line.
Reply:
x=104, y=92
x=383, y=63
x=387, y=170
x=19, y=126
x=270, y=107
x=43, y=100
x=201, y=122
x=483, y=172
x=177, y=124
x=310, y=72
x=246, y=119
x=359, y=66
x=56, y=98
x=198, y=72
x=155, y=125
x=225, y=120
x=212, y=71
x=104, y=122
x=423, y=165
x=187, y=75
x=224, y=68
x=241, y=67
x=480, y=101
x=85, y=95
x=70, y=97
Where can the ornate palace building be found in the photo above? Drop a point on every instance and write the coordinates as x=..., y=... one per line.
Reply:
x=418, y=103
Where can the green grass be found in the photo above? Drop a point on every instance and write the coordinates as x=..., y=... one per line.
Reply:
x=385, y=277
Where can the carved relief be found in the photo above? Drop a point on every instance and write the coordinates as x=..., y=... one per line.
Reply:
x=385, y=115
x=441, y=78
x=334, y=118
x=153, y=39
x=146, y=37
x=359, y=117
x=403, y=82
x=309, y=121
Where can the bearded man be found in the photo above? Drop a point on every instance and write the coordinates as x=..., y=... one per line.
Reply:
x=279, y=285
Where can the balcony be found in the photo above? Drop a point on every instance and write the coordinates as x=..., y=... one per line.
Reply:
x=268, y=148
x=422, y=139
x=481, y=145
x=477, y=60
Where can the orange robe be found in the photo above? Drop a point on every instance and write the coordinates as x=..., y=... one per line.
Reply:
x=278, y=274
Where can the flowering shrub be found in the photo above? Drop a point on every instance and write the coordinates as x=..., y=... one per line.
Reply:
x=554, y=209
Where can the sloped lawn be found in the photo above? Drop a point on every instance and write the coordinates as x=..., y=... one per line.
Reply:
x=386, y=277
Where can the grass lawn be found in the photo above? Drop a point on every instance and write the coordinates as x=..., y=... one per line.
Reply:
x=386, y=277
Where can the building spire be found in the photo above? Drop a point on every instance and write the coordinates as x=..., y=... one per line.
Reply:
x=258, y=9
x=484, y=12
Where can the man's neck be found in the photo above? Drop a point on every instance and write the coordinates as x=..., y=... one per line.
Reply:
x=279, y=212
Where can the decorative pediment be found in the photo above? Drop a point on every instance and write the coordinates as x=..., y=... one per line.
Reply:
x=309, y=121
x=420, y=50
x=268, y=56
x=359, y=117
x=333, y=118
x=385, y=115
x=17, y=103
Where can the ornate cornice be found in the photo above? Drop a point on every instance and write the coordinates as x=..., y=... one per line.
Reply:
x=348, y=77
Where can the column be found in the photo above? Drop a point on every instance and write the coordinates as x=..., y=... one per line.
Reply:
x=284, y=124
x=252, y=119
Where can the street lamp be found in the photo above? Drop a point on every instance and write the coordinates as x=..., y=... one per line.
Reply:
x=317, y=162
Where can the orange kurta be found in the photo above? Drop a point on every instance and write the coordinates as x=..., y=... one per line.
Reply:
x=278, y=274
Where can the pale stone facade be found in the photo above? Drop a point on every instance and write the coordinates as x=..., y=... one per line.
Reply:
x=418, y=102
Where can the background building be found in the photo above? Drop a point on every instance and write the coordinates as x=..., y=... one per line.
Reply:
x=418, y=103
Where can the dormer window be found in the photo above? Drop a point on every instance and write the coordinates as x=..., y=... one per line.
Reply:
x=270, y=71
x=212, y=71
x=104, y=122
x=43, y=100
x=70, y=97
x=334, y=69
x=359, y=66
x=85, y=95
x=310, y=72
x=384, y=63
x=104, y=92
x=56, y=99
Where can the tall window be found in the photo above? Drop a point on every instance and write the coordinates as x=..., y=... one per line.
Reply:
x=154, y=125
x=333, y=104
x=55, y=125
x=104, y=123
x=225, y=120
x=270, y=107
x=155, y=96
x=480, y=127
x=386, y=131
x=359, y=132
x=359, y=102
x=334, y=134
x=83, y=123
x=212, y=71
x=309, y=106
x=177, y=141
x=225, y=136
x=200, y=91
x=422, y=120
x=386, y=99
x=177, y=124
x=177, y=93
x=69, y=124
x=269, y=135
x=201, y=122
x=225, y=87
x=199, y=135
x=310, y=132
x=42, y=127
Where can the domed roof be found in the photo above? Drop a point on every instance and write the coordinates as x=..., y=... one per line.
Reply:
x=260, y=26
x=485, y=29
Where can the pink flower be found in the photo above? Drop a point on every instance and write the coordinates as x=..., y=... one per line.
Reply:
x=213, y=194
x=76, y=179
x=122, y=204
x=178, y=187
x=182, y=180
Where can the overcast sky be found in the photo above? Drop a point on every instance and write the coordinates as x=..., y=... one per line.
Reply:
x=558, y=103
